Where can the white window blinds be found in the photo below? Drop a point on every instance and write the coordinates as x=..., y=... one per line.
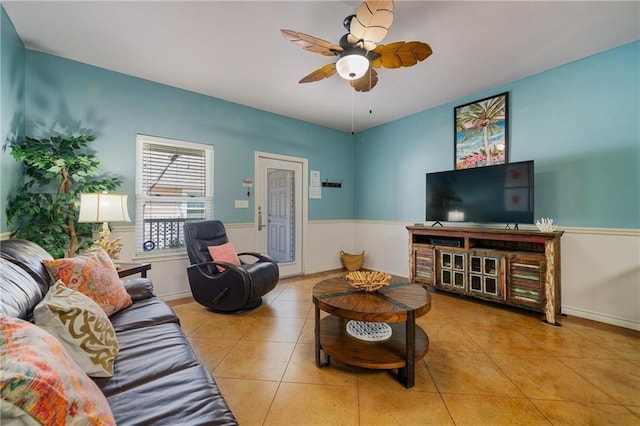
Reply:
x=174, y=181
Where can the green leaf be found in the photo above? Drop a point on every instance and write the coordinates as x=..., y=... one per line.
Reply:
x=37, y=212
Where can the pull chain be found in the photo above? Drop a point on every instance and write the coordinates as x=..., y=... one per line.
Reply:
x=370, y=72
x=352, y=133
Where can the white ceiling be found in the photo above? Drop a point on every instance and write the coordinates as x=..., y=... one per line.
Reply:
x=233, y=50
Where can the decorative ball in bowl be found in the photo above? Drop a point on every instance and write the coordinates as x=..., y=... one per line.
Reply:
x=368, y=280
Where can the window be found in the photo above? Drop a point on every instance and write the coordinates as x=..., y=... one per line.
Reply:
x=174, y=185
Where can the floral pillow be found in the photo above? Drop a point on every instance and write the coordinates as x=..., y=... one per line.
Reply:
x=224, y=253
x=40, y=382
x=81, y=326
x=93, y=275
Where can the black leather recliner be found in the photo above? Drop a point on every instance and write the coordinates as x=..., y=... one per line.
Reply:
x=237, y=288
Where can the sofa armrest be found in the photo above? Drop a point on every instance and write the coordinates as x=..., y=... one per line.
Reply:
x=138, y=288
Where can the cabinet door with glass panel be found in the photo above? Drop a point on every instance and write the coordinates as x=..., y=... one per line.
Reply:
x=452, y=270
x=486, y=275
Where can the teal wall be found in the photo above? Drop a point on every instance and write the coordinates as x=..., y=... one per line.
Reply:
x=67, y=96
x=12, y=114
x=580, y=123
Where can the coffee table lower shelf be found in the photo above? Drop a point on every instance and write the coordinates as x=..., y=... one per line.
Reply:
x=389, y=354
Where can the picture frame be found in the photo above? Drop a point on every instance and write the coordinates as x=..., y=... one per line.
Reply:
x=481, y=127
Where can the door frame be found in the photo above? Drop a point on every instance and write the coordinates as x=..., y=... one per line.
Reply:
x=300, y=239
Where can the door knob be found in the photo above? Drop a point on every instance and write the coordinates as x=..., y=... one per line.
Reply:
x=260, y=225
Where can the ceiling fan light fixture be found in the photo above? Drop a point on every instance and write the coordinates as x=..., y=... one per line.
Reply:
x=352, y=64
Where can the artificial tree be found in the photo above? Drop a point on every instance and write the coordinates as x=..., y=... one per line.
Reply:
x=45, y=209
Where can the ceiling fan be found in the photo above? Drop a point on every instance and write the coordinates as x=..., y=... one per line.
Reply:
x=358, y=51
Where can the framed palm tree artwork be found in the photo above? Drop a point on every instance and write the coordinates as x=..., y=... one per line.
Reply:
x=481, y=132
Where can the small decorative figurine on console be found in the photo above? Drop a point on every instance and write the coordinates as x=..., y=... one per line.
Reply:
x=545, y=224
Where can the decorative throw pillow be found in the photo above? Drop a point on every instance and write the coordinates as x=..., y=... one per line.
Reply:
x=81, y=326
x=93, y=275
x=224, y=253
x=40, y=382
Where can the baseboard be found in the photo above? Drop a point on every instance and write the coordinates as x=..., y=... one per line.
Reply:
x=173, y=296
x=340, y=266
x=323, y=268
x=607, y=319
x=401, y=274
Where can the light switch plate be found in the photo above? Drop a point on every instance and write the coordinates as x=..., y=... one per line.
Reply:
x=242, y=204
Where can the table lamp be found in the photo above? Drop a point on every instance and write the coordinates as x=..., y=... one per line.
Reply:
x=104, y=207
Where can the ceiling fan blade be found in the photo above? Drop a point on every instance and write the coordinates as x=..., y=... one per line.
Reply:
x=310, y=43
x=371, y=23
x=321, y=73
x=366, y=82
x=401, y=54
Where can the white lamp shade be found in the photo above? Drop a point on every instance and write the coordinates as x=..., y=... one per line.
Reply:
x=103, y=207
x=352, y=66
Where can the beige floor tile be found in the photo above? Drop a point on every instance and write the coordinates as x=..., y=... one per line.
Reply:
x=302, y=369
x=307, y=335
x=275, y=329
x=492, y=410
x=301, y=293
x=226, y=327
x=249, y=400
x=191, y=315
x=620, y=379
x=286, y=309
x=478, y=314
x=504, y=340
x=185, y=308
x=387, y=380
x=270, y=297
x=547, y=378
x=562, y=341
x=311, y=404
x=578, y=414
x=434, y=317
x=471, y=373
x=256, y=360
x=211, y=351
x=312, y=314
x=635, y=409
x=487, y=365
x=263, y=310
x=449, y=337
x=623, y=345
x=379, y=406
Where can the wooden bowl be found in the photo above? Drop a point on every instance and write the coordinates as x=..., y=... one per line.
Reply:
x=368, y=280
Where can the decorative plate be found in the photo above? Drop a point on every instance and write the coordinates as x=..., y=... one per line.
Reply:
x=369, y=331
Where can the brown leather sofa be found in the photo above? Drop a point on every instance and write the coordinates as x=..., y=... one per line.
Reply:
x=157, y=377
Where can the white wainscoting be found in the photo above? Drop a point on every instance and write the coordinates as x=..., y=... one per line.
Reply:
x=326, y=239
x=600, y=267
x=601, y=276
x=168, y=273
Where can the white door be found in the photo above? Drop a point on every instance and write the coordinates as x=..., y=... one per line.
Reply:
x=280, y=210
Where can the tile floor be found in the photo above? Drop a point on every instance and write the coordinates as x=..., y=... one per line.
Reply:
x=487, y=365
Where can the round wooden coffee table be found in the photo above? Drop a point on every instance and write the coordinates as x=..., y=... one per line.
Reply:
x=398, y=303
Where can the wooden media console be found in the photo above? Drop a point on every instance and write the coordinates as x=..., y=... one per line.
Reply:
x=514, y=267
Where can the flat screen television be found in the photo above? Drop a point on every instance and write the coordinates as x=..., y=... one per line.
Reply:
x=492, y=194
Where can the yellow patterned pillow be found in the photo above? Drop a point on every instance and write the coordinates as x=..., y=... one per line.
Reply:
x=93, y=275
x=40, y=382
x=81, y=326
